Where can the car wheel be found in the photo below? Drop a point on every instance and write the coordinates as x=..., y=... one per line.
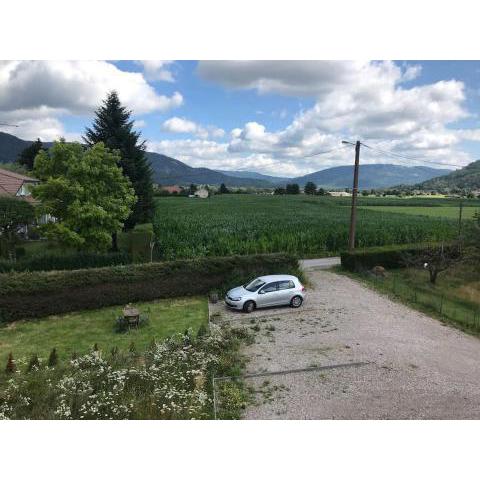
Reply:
x=249, y=307
x=296, y=301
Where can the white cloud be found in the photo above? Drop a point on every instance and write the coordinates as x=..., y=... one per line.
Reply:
x=139, y=124
x=182, y=125
x=157, y=70
x=75, y=87
x=366, y=100
x=34, y=94
x=47, y=129
x=214, y=155
x=303, y=77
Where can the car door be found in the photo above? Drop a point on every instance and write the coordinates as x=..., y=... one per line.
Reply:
x=267, y=295
x=285, y=291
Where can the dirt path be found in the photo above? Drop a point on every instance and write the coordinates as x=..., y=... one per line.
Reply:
x=412, y=366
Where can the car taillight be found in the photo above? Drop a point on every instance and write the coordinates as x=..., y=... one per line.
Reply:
x=304, y=289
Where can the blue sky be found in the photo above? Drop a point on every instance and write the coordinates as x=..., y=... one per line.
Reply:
x=271, y=117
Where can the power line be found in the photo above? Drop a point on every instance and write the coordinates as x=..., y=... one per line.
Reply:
x=398, y=155
x=326, y=151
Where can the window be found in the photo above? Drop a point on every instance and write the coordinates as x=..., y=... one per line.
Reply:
x=285, y=284
x=255, y=285
x=271, y=287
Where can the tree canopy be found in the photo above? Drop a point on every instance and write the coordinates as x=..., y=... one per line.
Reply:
x=86, y=191
x=113, y=127
x=292, y=189
x=14, y=212
x=310, y=188
x=223, y=189
x=27, y=156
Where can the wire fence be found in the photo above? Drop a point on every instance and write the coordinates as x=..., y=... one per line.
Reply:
x=461, y=312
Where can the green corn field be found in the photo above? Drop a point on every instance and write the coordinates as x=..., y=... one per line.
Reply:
x=297, y=224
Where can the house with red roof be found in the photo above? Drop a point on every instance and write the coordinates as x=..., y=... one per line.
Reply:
x=14, y=184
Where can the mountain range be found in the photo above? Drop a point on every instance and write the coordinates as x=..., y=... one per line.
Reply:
x=169, y=171
x=466, y=178
x=379, y=175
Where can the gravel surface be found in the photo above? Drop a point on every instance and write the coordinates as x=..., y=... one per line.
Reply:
x=326, y=262
x=416, y=367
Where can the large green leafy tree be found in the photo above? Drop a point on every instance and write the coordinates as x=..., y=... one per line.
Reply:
x=292, y=189
x=14, y=213
x=86, y=191
x=27, y=156
x=310, y=188
x=113, y=127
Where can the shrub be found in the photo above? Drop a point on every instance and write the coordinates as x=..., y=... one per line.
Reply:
x=388, y=257
x=72, y=261
x=11, y=367
x=137, y=242
x=33, y=364
x=53, y=358
x=37, y=294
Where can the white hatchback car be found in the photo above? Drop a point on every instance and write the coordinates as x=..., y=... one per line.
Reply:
x=267, y=291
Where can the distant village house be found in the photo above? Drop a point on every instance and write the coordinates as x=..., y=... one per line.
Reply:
x=16, y=185
x=172, y=189
x=201, y=193
x=340, y=194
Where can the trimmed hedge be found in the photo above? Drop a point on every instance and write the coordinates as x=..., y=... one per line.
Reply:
x=388, y=257
x=37, y=294
x=71, y=261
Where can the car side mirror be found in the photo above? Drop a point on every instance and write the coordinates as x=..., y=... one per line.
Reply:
x=261, y=292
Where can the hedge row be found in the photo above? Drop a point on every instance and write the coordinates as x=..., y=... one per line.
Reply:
x=388, y=256
x=37, y=294
x=71, y=261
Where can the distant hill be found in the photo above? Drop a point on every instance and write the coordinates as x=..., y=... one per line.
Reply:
x=370, y=176
x=258, y=176
x=169, y=171
x=10, y=147
x=466, y=178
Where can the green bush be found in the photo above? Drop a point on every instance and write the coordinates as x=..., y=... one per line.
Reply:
x=37, y=294
x=137, y=242
x=388, y=257
x=71, y=261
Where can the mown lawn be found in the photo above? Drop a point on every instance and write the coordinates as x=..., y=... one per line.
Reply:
x=78, y=332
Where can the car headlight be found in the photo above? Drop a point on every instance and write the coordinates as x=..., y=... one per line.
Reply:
x=236, y=299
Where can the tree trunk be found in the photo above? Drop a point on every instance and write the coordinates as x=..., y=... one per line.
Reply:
x=114, y=242
x=433, y=276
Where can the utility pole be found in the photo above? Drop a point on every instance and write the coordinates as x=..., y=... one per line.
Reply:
x=353, y=215
x=460, y=219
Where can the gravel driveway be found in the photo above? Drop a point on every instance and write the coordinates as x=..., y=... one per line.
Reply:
x=406, y=365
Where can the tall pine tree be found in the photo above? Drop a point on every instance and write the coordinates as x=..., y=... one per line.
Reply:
x=27, y=156
x=113, y=127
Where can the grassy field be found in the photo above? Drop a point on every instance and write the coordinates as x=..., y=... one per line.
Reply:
x=298, y=224
x=455, y=298
x=78, y=332
x=440, y=211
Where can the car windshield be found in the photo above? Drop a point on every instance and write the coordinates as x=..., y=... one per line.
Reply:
x=254, y=285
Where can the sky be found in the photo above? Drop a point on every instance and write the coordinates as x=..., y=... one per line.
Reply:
x=283, y=118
